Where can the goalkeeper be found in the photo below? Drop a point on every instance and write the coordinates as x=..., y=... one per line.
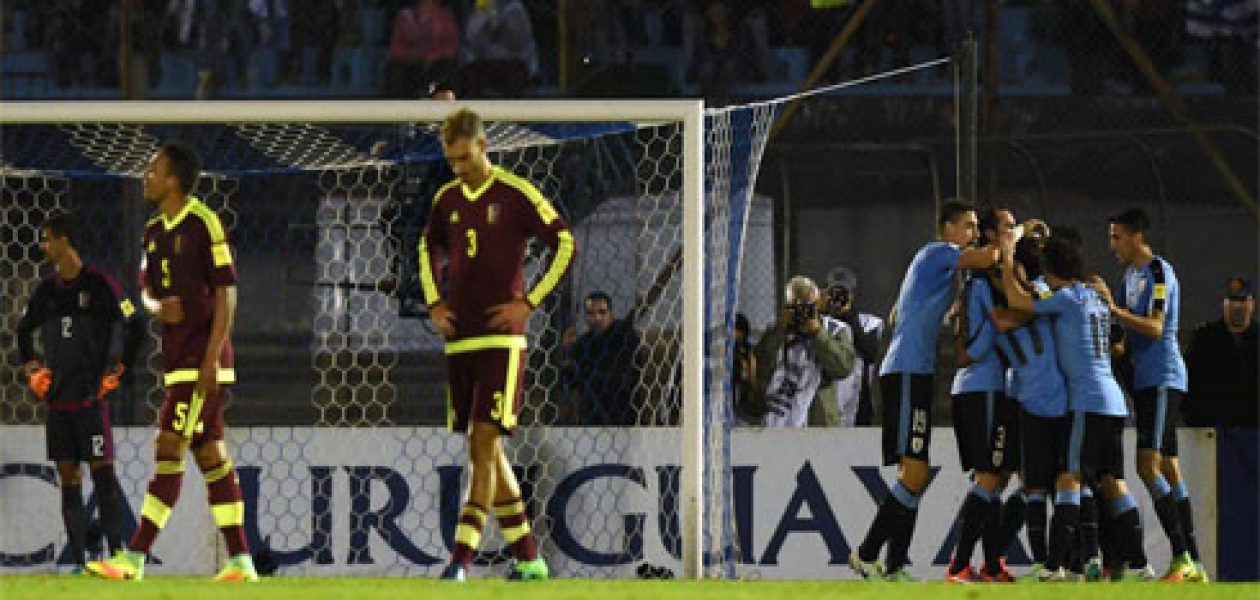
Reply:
x=79, y=313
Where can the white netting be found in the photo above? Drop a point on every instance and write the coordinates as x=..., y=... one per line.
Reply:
x=337, y=421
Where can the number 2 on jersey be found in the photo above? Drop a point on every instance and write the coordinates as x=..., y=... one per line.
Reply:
x=471, y=251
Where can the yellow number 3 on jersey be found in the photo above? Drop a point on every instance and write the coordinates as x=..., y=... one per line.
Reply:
x=472, y=242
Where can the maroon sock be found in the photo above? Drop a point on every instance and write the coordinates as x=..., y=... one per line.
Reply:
x=227, y=507
x=163, y=492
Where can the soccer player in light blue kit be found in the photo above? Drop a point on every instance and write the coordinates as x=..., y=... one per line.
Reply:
x=906, y=382
x=1095, y=451
x=986, y=421
x=1151, y=297
x=1027, y=347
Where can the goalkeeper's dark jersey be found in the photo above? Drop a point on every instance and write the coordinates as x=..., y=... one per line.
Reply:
x=483, y=235
x=77, y=321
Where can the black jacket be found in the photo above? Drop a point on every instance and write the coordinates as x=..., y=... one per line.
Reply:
x=1223, y=371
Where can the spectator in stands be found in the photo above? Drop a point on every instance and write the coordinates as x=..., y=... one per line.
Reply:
x=846, y=401
x=314, y=23
x=602, y=366
x=500, y=51
x=1229, y=27
x=733, y=46
x=1222, y=360
x=804, y=350
x=423, y=50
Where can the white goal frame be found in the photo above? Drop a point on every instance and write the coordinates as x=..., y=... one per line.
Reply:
x=689, y=113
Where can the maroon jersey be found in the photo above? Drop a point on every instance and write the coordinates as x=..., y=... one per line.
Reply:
x=188, y=257
x=482, y=234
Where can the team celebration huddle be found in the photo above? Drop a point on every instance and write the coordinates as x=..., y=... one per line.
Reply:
x=1036, y=397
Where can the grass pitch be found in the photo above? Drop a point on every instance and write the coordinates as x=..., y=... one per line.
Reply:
x=66, y=587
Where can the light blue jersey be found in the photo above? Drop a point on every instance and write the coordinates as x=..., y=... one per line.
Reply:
x=1082, y=322
x=986, y=373
x=1036, y=380
x=1156, y=363
x=921, y=306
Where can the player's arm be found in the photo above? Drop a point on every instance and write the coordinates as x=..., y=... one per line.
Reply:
x=979, y=258
x=1006, y=319
x=556, y=234
x=431, y=251
x=1147, y=326
x=34, y=316
x=37, y=376
x=220, y=327
x=1017, y=298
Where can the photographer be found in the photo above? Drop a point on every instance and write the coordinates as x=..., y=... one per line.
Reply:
x=801, y=352
x=847, y=402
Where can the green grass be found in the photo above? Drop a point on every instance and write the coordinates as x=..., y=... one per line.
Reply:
x=304, y=588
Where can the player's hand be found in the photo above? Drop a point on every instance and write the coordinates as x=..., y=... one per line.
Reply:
x=110, y=381
x=509, y=315
x=38, y=377
x=208, y=379
x=170, y=310
x=444, y=319
x=1100, y=286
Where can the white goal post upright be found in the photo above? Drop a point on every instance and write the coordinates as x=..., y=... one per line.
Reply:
x=690, y=113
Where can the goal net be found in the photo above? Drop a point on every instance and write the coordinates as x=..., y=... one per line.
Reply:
x=338, y=419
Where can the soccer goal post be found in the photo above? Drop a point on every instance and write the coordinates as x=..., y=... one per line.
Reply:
x=323, y=200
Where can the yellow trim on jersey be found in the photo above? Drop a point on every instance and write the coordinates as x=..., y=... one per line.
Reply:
x=428, y=285
x=559, y=265
x=228, y=514
x=507, y=416
x=178, y=376
x=127, y=308
x=213, y=225
x=474, y=195
x=222, y=471
x=156, y=511
x=1160, y=292
x=546, y=212
x=486, y=342
x=169, y=467
x=169, y=224
x=507, y=510
x=221, y=255
x=1044, y=294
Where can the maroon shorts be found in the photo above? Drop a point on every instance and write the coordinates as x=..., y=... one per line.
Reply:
x=484, y=386
x=177, y=409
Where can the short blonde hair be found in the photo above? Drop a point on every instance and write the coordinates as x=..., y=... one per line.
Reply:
x=801, y=288
x=460, y=124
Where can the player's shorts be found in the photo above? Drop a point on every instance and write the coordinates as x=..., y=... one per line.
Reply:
x=1157, y=410
x=907, y=399
x=176, y=413
x=1044, y=443
x=79, y=434
x=1095, y=446
x=986, y=427
x=484, y=386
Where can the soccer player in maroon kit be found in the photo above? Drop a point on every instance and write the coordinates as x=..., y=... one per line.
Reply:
x=190, y=285
x=76, y=312
x=480, y=224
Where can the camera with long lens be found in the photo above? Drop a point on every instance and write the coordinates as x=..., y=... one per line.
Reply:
x=802, y=314
x=838, y=297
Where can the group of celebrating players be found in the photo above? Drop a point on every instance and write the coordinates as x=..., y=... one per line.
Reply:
x=1035, y=394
